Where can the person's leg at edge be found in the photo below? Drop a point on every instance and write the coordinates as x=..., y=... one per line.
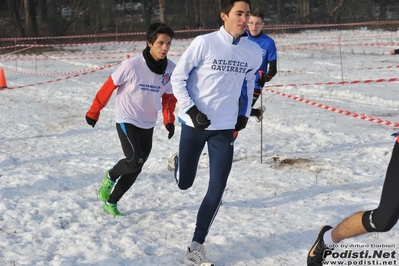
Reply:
x=381, y=219
x=220, y=149
x=350, y=227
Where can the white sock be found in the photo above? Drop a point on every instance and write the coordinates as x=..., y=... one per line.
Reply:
x=194, y=245
x=327, y=238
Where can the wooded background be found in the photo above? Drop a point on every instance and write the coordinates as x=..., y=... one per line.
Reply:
x=32, y=18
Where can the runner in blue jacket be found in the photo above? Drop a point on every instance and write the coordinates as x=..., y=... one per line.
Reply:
x=268, y=68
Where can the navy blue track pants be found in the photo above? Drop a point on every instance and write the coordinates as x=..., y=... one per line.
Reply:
x=220, y=150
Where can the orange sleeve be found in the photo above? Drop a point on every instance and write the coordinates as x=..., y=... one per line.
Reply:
x=168, y=108
x=102, y=97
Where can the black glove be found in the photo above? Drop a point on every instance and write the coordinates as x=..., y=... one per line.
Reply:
x=261, y=81
x=171, y=128
x=268, y=78
x=200, y=120
x=241, y=122
x=90, y=121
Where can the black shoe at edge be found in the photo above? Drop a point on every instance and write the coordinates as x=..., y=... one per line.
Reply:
x=315, y=255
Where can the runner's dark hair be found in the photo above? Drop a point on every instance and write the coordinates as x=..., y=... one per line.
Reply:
x=158, y=28
x=227, y=5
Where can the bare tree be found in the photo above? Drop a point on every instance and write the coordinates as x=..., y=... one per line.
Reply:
x=189, y=10
x=333, y=7
x=78, y=8
x=304, y=11
x=383, y=10
x=279, y=11
x=30, y=18
x=43, y=14
x=147, y=11
x=161, y=4
x=13, y=7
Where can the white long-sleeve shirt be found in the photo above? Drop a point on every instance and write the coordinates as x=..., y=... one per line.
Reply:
x=138, y=97
x=210, y=75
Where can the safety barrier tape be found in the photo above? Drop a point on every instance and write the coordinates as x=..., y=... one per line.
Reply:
x=281, y=46
x=64, y=58
x=108, y=43
x=62, y=73
x=16, y=51
x=266, y=27
x=322, y=36
x=323, y=45
x=56, y=80
x=101, y=35
x=366, y=81
x=277, y=37
x=79, y=55
x=80, y=58
x=328, y=83
x=67, y=44
x=301, y=71
x=76, y=53
x=322, y=106
x=330, y=25
x=337, y=110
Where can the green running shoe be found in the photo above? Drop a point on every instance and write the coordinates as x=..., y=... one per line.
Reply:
x=112, y=209
x=105, y=189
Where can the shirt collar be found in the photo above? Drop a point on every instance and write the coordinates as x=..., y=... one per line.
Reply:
x=227, y=37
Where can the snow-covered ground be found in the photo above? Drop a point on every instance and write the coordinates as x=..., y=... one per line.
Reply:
x=317, y=166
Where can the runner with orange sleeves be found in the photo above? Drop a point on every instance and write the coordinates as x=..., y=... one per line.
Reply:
x=143, y=88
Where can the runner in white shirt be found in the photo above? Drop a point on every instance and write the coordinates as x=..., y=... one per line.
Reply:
x=207, y=83
x=143, y=88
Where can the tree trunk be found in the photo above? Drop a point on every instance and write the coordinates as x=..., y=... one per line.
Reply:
x=30, y=17
x=383, y=10
x=199, y=14
x=13, y=5
x=43, y=14
x=333, y=7
x=75, y=15
x=279, y=13
x=304, y=10
x=161, y=4
x=51, y=7
x=147, y=12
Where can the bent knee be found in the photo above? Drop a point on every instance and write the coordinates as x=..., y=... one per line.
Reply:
x=374, y=222
x=135, y=164
x=184, y=186
x=385, y=226
x=184, y=182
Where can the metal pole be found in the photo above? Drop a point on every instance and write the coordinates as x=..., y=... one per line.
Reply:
x=261, y=127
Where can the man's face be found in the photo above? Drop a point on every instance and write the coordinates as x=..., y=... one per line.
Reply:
x=255, y=25
x=235, y=22
x=160, y=48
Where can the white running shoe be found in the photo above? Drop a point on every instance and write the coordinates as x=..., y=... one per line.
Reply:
x=197, y=257
x=171, y=164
